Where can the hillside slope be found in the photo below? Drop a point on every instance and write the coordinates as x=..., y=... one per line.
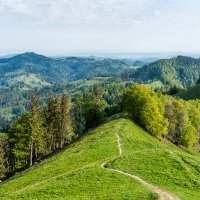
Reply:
x=58, y=70
x=180, y=71
x=190, y=93
x=87, y=169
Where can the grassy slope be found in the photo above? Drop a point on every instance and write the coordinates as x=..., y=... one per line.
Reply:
x=75, y=174
x=164, y=165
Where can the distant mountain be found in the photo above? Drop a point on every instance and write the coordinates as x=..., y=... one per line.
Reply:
x=26, y=74
x=58, y=70
x=180, y=71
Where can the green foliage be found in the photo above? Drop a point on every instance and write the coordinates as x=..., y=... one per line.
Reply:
x=58, y=122
x=20, y=138
x=4, y=167
x=190, y=93
x=189, y=136
x=180, y=72
x=146, y=108
x=41, y=131
x=166, y=116
x=79, y=120
x=94, y=106
x=37, y=131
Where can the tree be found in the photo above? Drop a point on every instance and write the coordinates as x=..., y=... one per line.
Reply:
x=79, y=120
x=27, y=137
x=65, y=130
x=4, y=168
x=153, y=119
x=58, y=122
x=37, y=134
x=52, y=121
x=189, y=137
x=146, y=108
x=94, y=107
x=20, y=139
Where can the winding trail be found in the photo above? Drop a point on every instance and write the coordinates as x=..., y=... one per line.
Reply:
x=163, y=195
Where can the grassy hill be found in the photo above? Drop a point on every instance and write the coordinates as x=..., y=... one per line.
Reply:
x=79, y=173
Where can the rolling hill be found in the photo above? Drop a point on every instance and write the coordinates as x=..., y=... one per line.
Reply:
x=59, y=70
x=179, y=71
x=117, y=160
x=29, y=73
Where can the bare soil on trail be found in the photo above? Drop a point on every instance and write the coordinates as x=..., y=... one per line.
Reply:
x=163, y=195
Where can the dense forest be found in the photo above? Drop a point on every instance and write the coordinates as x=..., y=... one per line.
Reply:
x=164, y=116
x=47, y=128
x=181, y=72
x=30, y=74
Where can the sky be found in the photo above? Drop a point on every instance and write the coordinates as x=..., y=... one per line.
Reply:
x=134, y=26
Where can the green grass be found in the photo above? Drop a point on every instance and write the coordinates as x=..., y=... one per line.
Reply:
x=164, y=165
x=76, y=173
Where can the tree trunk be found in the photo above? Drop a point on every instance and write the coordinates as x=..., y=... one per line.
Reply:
x=31, y=154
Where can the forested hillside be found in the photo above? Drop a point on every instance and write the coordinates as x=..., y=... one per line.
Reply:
x=28, y=74
x=180, y=72
x=190, y=93
x=58, y=70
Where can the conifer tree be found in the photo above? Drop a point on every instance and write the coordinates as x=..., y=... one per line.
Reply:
x=4, y=168
x=37, y=140
x=52, y=123
x=65, y=129
x=19, y=140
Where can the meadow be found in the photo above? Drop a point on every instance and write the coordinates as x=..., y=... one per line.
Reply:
x=76, y=172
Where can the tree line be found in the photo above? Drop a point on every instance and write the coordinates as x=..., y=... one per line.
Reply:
x=164, y=116
x=48, y=127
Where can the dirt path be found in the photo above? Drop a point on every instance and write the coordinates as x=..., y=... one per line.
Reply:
x=163, y=195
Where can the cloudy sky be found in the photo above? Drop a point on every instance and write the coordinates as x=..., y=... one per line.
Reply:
x=63, y=26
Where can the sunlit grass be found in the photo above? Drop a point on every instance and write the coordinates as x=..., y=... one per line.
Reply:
x=76, y=173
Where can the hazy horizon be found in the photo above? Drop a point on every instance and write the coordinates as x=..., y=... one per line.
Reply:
x=117, y=55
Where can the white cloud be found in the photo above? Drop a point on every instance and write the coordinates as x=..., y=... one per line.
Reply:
x=73, y=12
x=135, y=25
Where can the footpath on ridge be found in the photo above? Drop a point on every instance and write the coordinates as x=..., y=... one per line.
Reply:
x=163, y=195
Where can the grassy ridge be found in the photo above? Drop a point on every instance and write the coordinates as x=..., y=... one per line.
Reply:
x=76, y=173
x=164, y=165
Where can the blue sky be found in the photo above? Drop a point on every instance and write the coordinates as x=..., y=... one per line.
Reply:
x=63, y=26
